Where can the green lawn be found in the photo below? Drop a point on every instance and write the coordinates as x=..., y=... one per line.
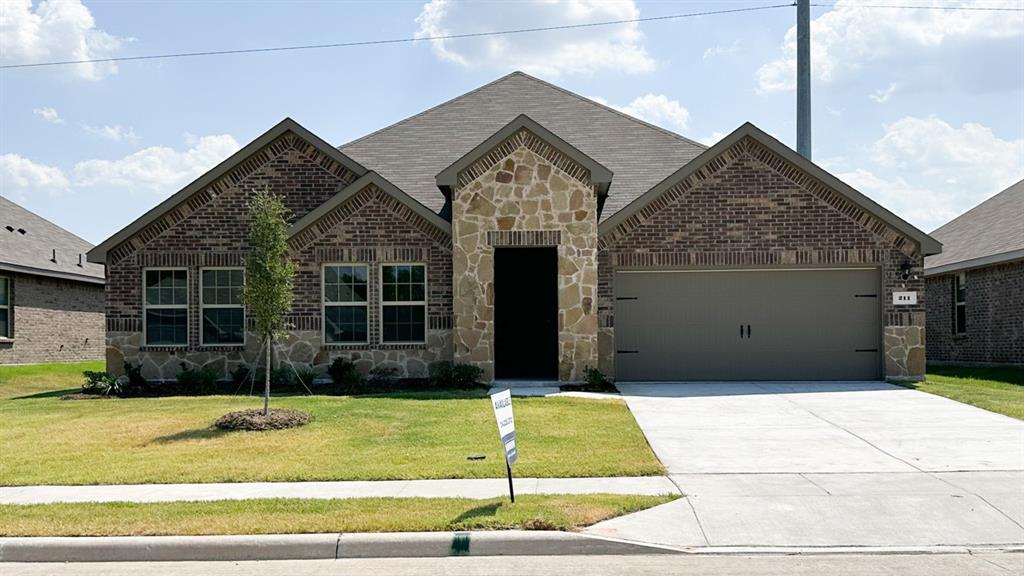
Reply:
x=999, y=389
x=46, y=440
x=293, y=516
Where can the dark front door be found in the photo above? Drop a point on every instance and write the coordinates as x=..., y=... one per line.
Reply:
x=526, y=313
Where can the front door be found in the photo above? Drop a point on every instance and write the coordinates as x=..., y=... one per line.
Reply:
x=526, y=313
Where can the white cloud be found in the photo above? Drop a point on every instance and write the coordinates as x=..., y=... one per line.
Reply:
x=883, y=95
x=657, y=109
x=929, y=171
x=718, y=50
x=115, y=133
x=157, y=169
x=713, y=138
x=55, y=30
x=582, y=50
x=924, y=46
x=19, y=176
x=48, y=114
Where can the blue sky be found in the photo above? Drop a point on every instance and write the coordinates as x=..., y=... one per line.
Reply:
x=923, y=110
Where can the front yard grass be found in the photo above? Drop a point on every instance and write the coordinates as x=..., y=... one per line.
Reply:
x=294, y=516
x=995, y=388
x=46, y=440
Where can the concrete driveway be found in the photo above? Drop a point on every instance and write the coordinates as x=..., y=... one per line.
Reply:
x=810, y=464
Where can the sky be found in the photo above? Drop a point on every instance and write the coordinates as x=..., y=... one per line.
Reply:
x=922, y=110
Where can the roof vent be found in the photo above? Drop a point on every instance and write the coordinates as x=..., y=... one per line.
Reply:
x=9, y=228
x=21, y=231
x=79, y=259
x=54, y=257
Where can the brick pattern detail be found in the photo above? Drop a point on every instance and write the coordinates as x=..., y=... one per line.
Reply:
x=995, y=316
x=525, y=139
x=288, y=162
x=748, y=208
x=524, y=237
x=53, y=320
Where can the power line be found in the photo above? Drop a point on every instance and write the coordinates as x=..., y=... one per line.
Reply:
x=397, y=40
x=495, y=33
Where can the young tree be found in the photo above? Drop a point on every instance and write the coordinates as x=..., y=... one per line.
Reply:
x=269, y=273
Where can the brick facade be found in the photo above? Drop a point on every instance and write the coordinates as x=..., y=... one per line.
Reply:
x=53, y=320
x=748, y=208
x=995, y=316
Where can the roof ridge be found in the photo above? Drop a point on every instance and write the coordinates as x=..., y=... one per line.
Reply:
x=1011, y=187
x=431, y=109
x=665, y=131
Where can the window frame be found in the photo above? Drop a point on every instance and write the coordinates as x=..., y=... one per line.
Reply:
x=959, y=284
x=203, y=306
x=146, y=306
x=324, y=304
x=423, y=303
x=9, y=333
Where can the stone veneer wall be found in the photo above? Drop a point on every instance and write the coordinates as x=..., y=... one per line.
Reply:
x=53, y=320
x=211, y=228
x=995, y=316
x=524, y=195
x=750, y=208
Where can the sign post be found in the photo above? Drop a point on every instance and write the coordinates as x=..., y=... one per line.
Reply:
x=502, y=404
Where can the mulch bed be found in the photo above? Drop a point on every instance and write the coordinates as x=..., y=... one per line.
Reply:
x=84, y=396
x=277, y=419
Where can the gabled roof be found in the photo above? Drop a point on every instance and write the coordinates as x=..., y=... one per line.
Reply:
x=990, y=233
x=599, y=175
x=352, y=189
x=928, y=244
x=28, y=243
x=99, y=253
x=412, y=152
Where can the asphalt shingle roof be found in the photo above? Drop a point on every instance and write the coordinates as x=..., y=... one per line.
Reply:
x=996, y=226
x=412, y=152
x=31, y=251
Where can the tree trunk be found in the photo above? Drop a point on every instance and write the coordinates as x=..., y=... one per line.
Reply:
x=266, y=380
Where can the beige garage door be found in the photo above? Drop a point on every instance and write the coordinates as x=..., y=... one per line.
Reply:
x=820, y=324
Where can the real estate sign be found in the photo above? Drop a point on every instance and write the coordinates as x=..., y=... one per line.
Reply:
x=502, y=402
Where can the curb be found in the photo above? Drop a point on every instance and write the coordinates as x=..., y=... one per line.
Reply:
x=315, y=546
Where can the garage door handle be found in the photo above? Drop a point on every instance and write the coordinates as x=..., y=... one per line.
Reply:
x=741, y=330
x=748, y=330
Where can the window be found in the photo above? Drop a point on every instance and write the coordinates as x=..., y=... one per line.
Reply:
x=404, y=302
x=165, y=305
x=345, y=303
x=960, y=303
x=220, y=297
x=5, y=308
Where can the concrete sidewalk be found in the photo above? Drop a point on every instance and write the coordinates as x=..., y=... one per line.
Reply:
x=476, y=488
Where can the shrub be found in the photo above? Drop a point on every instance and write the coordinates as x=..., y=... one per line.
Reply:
x=282, y=378
x=448, y=375
x=134, y=375
x=243, y=374
x=100, y=383
x=306, y=375
x=197, y=380
x=594, y=377
x=275, y=419
x=347, y=378
x=383, y=378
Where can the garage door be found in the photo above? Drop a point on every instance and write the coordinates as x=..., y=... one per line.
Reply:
x=820, y=324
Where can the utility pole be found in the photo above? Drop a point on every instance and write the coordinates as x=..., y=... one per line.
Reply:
x=803, y=78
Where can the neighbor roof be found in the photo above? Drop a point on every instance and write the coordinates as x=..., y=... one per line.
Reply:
x=28, y=242
x=412, y=152
x=990, y=233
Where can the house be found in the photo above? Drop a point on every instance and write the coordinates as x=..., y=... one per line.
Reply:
x=976, y=286
x=534, y=233
x=51, y=298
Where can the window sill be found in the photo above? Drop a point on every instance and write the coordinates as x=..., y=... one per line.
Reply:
x=388, y=346
x=164, y=348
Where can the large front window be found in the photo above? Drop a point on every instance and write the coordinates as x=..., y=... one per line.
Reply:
x=404, y=302
x=165, y=304
x=221, y=302
x=5, y=308
x=345, y=303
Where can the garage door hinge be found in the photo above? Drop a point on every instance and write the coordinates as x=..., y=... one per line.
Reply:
x=627, y=298
x=627, y=351
x=865, y=295
x=866, y=350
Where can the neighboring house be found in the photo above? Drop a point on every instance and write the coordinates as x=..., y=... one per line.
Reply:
x=533, y=233
x=976, y=286
x=51, y=298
